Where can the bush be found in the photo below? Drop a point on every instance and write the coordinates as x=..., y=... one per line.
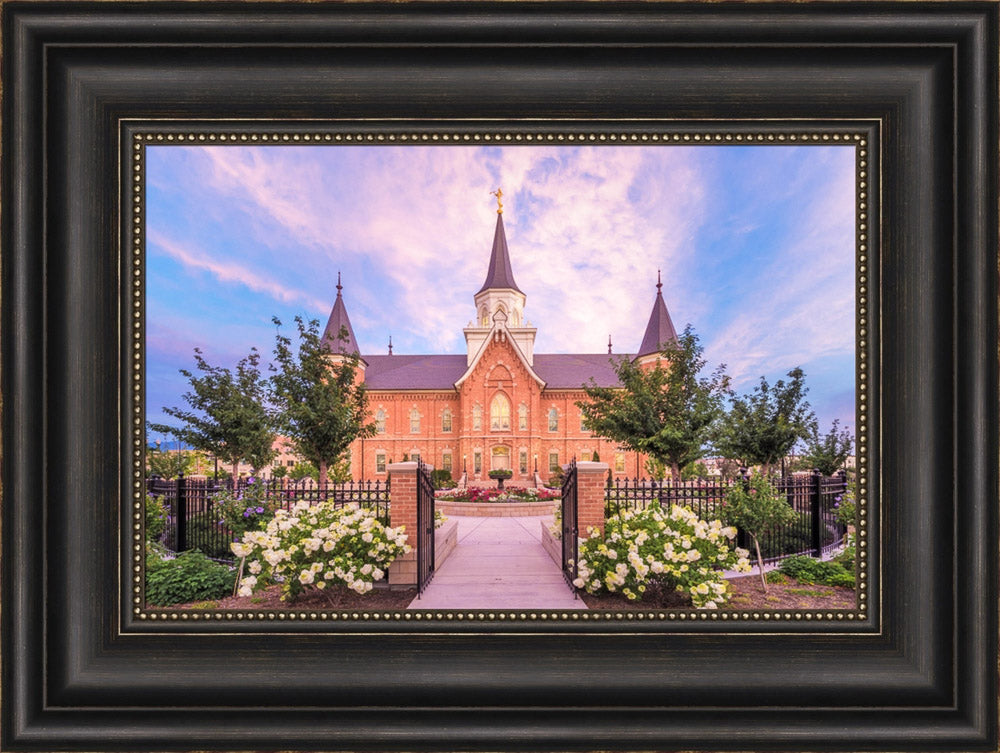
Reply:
x=846, y=557
x=245, y=509
x=504, y=473
x=845, y=506
x=190, y=576
x=156, y=518
x=808, y=570
x=672, y=550
x=441, y=479
x=311, y=547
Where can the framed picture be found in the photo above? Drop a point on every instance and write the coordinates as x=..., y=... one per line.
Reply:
x=97, y=96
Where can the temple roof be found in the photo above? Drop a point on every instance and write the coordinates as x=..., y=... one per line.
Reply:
x=440, y=372
x=660, y=328
x=338, y=319
x=499, y=274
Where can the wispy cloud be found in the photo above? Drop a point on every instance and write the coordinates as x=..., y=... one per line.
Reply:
x=230, y=272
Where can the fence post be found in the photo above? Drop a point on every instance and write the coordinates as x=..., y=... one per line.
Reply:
x=403, y=512
x=817, y=490
x=590, y=496
x=181, y=513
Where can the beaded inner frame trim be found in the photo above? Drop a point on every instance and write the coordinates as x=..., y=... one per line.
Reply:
x=242, y=133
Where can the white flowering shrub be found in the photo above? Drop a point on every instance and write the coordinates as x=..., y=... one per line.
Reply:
x=649, y=546
x=316, y=546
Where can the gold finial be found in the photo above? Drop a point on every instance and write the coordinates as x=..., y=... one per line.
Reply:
x=499, y=194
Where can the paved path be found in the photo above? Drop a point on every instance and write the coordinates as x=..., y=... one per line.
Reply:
x=498, y=563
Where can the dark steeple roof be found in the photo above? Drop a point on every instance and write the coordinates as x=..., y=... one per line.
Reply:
x=660, y=329
x=499, y=274
x=338, y=319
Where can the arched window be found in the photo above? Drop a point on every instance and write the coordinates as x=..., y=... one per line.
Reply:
x=477, y=418
x=522, y=417
x=553, y=419
x=515, y=318
x=414, y=421
x=446, y=420
x=500, y=413
x=380, y=421
x=484, y=317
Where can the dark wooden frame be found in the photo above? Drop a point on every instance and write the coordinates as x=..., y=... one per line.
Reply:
x=919, y=673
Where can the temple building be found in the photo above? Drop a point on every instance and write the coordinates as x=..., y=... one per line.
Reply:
x=498, y=405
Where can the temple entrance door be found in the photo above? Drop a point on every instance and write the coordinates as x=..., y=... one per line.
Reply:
x=501, y=459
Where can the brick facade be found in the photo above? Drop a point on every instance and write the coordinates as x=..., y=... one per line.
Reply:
x=525, y=438
x=500, y=405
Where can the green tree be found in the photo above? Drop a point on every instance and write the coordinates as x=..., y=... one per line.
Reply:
x=755, y=507
x=828, y=452
x=169, y=463
x=666, y=412
x=321, y=406
x=694, y=470
x=762, y=426
x=303, y=470
x=228, y=417
x=279, y=471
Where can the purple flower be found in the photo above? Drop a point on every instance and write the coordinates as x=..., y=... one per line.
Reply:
x=251, y=480
x=246, y=514
x=260, y=509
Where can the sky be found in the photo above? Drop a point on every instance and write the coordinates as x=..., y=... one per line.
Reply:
x=755, y=246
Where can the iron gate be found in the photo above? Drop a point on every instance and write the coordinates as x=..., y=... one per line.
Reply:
x=569, y=526
x=425, y=527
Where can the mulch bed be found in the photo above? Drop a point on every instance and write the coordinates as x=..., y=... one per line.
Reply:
x=379, y=599
x=746, y=594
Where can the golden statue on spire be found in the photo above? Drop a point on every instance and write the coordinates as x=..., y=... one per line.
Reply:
x=499, y=194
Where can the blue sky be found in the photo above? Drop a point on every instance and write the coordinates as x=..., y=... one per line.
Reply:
x=755, y=244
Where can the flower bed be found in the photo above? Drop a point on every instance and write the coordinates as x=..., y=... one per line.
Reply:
x=491, y=510
x=514, y=501
x=493, y=495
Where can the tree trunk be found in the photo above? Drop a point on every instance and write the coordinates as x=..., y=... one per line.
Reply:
x=675, y=471
x=236, y=472
x=760, y=564
x=322, y=474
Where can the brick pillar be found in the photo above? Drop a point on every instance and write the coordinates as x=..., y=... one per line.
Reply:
x=591, y=478
x=403, y=512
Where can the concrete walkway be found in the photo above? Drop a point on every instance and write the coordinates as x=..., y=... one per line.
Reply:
x=499, y=563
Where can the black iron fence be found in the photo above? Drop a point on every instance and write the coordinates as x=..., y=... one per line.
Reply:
x=194, y=520
x=814, y=530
